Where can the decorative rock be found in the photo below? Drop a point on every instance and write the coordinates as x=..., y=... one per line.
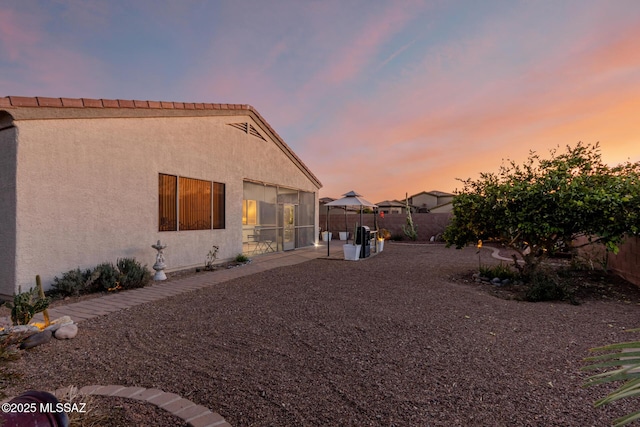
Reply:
x=60, y=321
x=19, y=329
x=36, y=339
x=496, y=281
x=505, y=282
x=66, y=332
x=5, y=322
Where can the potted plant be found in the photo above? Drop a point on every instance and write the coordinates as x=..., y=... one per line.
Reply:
x=326, y=236
x=352, y=251
x=344, y=235
x=383, y=235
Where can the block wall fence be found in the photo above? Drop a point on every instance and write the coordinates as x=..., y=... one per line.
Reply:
x=429, y=224
x=626, y=263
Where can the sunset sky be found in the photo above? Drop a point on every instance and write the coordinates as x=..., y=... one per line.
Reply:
x=381, y=97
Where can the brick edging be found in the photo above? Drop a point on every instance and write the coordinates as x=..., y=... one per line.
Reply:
x=194, y=415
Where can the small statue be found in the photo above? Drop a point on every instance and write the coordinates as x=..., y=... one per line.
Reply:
x=159, y=266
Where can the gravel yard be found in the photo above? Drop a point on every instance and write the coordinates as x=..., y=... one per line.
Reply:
x=392, y=340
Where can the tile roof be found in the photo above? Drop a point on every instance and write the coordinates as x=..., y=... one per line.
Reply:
x=13, y=102
x=434, y=193
x=41, y=101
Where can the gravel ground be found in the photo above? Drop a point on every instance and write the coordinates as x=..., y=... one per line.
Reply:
x=394, y=340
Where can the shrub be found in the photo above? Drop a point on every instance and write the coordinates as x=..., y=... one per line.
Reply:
x=500, y=271
x=127, y=274
x=107, y=278
x=133, y=274
x=241, y=258
x=72, y=283
x=210, y=261
x=547, y=286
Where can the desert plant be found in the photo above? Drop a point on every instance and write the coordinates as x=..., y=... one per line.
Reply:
x=25, y=305
x=72, y=283
x=241, y=258
x=410, y=230
x=92, y=414
x=625, y=358
x=210, y=260
x=132, y=273
x=545, y=285
x=500, y=271
x=106, y=278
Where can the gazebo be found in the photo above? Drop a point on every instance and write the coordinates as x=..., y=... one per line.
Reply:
x=350, y=199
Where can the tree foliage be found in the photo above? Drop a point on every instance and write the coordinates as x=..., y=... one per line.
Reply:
x=544, y=204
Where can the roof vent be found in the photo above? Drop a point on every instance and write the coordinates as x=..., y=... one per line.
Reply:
x=247, y=128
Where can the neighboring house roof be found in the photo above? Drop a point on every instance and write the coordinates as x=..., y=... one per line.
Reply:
x=435, y=193
x=33, y=108
x=326, y=200
x=390, y=204
x=445, y=207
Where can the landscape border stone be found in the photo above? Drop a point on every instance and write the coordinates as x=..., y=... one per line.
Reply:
x=192, y=414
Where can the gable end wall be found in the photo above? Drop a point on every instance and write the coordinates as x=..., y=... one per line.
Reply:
x=87, y=188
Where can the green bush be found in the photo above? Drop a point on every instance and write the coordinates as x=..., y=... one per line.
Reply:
x=107, y=277
x=241, y=258
x=127, y=274
x=500, y=271
x=547, y=286
x=72, y=283
x=132, y=273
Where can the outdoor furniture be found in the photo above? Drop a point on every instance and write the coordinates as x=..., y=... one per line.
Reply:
x=261, y=242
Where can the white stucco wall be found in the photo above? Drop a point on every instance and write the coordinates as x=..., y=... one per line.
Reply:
x=87, y=189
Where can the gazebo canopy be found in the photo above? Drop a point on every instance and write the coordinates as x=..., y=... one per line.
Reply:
x=352, y=199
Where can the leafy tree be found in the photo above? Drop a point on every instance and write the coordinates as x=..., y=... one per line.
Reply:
x=543, y=205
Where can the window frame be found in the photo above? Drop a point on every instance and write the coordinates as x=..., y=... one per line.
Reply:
x=215, y=207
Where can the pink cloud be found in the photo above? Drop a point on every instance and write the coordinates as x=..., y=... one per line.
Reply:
x=431, y=136
x=43, y=67
x=358, y=52
x=14, y=36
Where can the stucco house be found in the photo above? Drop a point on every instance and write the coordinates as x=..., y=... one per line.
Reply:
x=432, y=201
x=85, y=181
x=392, y=207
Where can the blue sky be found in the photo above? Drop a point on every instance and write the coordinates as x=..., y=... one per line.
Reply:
x=382, y=97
